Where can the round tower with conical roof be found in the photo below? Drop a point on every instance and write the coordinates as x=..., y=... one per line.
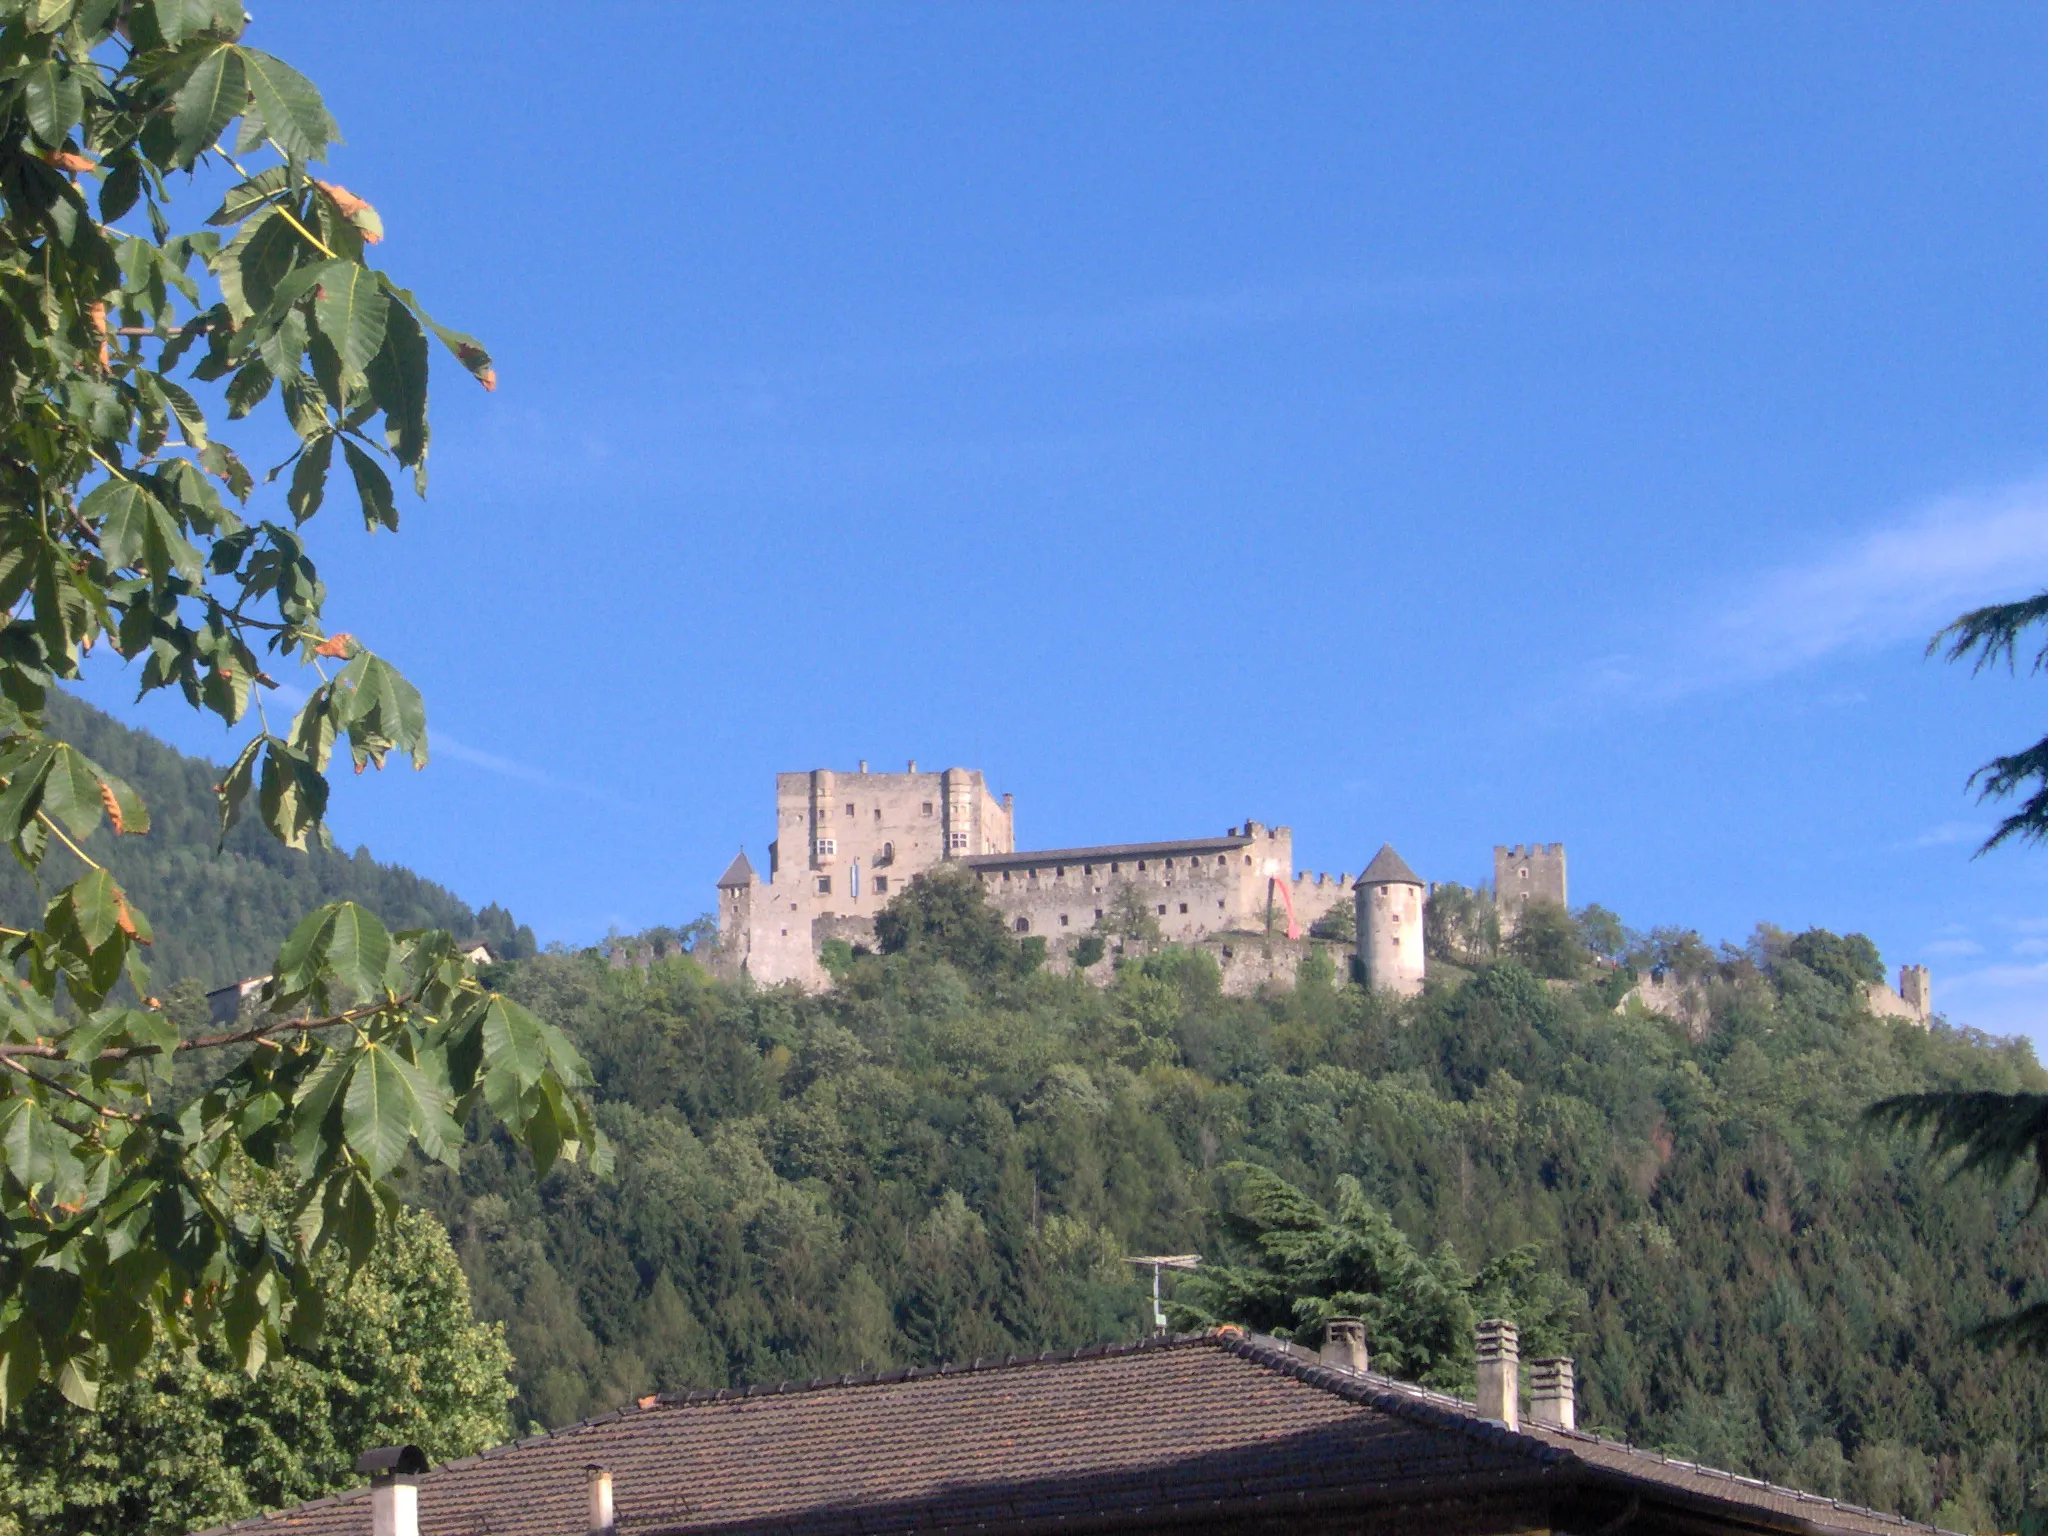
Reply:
x=1389, y=896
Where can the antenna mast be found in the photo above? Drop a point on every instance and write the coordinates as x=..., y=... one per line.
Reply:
x=1160, y=1261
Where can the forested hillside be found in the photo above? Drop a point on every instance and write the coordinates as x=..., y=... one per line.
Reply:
x=948, y=1156
x=219, y=916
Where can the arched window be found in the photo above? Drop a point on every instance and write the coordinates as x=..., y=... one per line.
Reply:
x=1023, y=925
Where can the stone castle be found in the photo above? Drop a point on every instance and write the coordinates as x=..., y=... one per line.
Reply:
x=845, y=843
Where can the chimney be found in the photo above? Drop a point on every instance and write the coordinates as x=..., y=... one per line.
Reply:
x=1551, y=1396
x=913, y=765
x=1344, y=1343
x=602, y=1521
x=863, y=765
x=394, y=1488
x=1499, y=1373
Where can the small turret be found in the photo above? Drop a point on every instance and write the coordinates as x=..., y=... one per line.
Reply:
x=1389, y=899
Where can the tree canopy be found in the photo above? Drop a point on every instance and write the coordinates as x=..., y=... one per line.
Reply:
x=191, y=1441
x=127, y=520
x=1304, y=1265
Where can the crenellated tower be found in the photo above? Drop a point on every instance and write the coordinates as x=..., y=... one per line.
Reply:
x=1525, y=874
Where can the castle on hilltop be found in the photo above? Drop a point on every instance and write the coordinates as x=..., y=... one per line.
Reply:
x=846, y=843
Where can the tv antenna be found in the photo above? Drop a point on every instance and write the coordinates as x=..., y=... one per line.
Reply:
x=1160, y=1261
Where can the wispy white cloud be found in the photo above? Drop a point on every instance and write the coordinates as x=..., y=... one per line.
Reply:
x=1943, y=949
x=1949, y=834
x=444, y=745
x=1898, y=582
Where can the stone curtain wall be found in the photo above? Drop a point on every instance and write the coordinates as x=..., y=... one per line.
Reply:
x=1315, y=895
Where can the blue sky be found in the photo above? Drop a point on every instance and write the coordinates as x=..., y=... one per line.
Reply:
x=1447, y=425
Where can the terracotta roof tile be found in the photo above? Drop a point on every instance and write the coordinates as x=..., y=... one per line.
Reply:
x=1178, y=1428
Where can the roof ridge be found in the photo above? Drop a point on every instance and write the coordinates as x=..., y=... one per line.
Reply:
x=1099, y=851
x=1706, y=1469
x=1393, y=1395
x=1438, y=1409
x=981, y=1364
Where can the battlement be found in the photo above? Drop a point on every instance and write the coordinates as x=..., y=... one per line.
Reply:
x=1306, y=881
x=1532, y=851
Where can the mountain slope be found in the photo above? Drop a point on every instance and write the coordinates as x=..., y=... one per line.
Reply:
x=220, y=916
x=937, y=1163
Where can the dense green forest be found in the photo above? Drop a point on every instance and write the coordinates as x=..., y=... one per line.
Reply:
x=220, y=915
x=948, y=1155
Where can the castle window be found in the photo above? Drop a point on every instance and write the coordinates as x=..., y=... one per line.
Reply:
x=1006, y=877
x=1023, y=925
x=1059, y=871
x=1247, y=858
x=1087, y=869
x=1183, y=909
x=825, y=847
x=1063, y=919
x=1141, y=866
x=959, y=840
x=1162, y=909
x=1115, y=868
x=1523, y=872
x=1098, y=914
x=1169, y=863
x=927, y=807
x=1219, y=904
x=878, y=813
x=1222, y=858
x=881, y=885
x=824, y=885
x=1032, y=875
x=849, y=807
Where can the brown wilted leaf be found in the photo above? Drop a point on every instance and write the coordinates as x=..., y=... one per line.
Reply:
x=126, y=919
x=335, y=645
x=354, y=209
x=113, y=805
x=66, y=160
x=471, y=356
x=96, y=317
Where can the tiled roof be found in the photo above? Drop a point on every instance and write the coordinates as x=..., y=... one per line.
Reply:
x=1106, y=853
x=739, y=872
x=1194, y=1430
x=1388, y=868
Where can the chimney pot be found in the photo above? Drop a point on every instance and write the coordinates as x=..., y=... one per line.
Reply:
x=394, y=1488
x=1500, y=1372
x=601, y=1518
x=1344, y=1343
x=863, y=765
x=1552, y=1394
x=913, y=765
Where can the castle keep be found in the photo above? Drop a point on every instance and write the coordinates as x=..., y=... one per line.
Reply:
x=846, y=843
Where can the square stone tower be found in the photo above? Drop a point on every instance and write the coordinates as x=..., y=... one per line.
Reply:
x=1522, y=875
